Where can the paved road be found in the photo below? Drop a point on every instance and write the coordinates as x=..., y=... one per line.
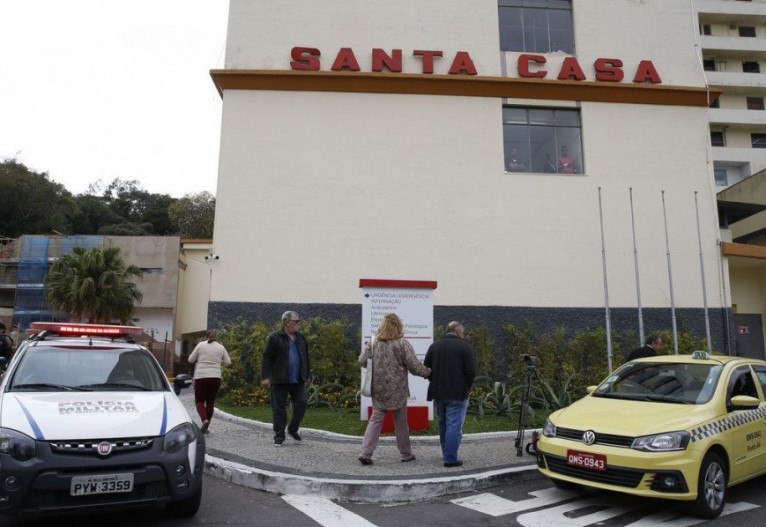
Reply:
x=532, y=502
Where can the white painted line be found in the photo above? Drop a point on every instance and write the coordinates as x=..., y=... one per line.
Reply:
x=493, y=505
x=325, y=512
x=672, y=519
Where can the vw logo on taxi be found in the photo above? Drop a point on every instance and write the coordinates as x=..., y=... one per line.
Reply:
x=104, y=448
x=589, y=437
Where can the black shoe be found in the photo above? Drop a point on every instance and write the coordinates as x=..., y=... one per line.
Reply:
x=365, y=460
x=295, y=435
x=407, y=459
x=453, y=464
x=279, y=441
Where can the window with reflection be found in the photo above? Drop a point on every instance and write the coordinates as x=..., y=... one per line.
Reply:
x=542, y=140
x=539, y=26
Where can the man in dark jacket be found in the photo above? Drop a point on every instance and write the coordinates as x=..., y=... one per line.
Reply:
x=650, y=349
x=453, y=367
x=285, y=371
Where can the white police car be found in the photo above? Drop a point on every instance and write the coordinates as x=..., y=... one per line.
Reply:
x=88, y=420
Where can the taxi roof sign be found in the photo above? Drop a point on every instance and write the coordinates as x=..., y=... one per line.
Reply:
x=69, y=328
x=699, y=354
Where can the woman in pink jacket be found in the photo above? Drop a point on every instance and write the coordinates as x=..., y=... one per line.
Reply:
x=392, y=357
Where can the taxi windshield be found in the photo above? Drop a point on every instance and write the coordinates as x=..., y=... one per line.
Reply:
x=58, y=368
x=674, y=383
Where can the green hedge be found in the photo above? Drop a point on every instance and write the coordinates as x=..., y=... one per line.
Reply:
x=566, y=364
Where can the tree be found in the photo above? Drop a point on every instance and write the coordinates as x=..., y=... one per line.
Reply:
x=94, y=214
x=32, y=203
x=193, y=215
x=93, y=284
x=135, y=212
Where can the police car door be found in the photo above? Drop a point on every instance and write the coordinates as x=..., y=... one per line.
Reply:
x=745, y=427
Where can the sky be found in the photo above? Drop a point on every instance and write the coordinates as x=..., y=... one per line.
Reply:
x=102, y=89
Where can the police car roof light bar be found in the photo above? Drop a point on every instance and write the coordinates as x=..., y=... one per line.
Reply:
x=68, y=328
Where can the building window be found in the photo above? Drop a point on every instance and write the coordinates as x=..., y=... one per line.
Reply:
x=706, y=29
x=542, y=140
x=755, y=103
x=751, y=67
x=746, y=31
x=152, y=270
x=715, y=103
x=716, y=138
x=539, y=26
x=708, y=65
x=721, y=180
x=758, y=140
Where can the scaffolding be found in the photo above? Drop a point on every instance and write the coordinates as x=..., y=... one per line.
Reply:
x=35, y=254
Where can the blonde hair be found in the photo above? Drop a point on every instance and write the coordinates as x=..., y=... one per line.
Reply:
x=391, y=328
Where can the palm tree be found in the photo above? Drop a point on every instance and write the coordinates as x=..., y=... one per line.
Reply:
x=93, y=284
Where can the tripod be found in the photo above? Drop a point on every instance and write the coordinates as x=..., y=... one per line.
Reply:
x=529, y=360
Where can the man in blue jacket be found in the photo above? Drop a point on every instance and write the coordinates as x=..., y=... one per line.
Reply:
x=285, y=371
x=453, y=368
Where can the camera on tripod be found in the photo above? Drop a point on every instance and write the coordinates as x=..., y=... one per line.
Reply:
x=530, y=361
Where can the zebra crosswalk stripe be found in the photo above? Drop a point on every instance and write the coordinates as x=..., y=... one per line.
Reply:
x=325, y=512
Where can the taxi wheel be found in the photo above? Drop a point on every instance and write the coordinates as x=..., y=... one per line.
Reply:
x=711, y=487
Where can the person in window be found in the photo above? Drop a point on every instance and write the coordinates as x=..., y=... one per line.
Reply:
x=566, y=163
x=515, y=163
x=550, y=165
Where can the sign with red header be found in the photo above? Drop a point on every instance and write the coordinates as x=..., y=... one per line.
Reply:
x=68, y=328
x=412, y=302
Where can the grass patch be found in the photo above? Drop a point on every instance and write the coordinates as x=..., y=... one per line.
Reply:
x=348, y=421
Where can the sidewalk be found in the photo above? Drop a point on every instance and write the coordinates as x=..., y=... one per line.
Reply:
x=325, y=464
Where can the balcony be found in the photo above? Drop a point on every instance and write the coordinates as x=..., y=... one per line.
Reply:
x=730, y=11
x=735, y=156
x=751, y=82
x=750, y=47
x=745, y=118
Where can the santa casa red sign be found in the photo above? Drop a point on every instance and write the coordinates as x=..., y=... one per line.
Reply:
x=527, y=65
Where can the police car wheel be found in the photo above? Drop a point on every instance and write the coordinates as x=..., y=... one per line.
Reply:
x=187, y=507
x=711, y=487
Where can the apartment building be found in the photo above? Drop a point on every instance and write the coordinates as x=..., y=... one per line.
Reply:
x=732, y=43
x=528, y=156
x=733, y=51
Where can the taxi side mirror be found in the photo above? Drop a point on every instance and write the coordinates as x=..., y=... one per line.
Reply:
x=590, y=389
x=180, y=382
x=744, y=402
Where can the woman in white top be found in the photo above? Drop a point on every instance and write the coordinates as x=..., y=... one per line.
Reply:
x=209, y=356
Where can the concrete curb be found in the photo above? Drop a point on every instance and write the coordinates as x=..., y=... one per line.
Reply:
x=359, y=490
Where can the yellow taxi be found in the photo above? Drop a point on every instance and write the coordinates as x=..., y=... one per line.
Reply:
x=680, y=427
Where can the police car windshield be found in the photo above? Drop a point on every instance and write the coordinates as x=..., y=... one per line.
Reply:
x=680, y=383
x=52, y=368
